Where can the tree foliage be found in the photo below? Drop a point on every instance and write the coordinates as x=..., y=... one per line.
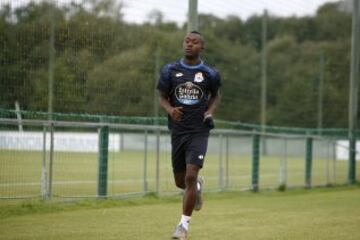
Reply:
x=106, y=65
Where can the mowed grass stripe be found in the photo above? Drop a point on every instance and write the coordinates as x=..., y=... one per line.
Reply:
x=329, y=213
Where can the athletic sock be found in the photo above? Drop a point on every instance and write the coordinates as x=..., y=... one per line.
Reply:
x=184, y=221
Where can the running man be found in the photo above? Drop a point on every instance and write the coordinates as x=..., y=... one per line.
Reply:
x=188, y=90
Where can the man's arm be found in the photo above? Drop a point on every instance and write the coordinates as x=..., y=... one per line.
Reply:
x=213, y=103
x=174, y=112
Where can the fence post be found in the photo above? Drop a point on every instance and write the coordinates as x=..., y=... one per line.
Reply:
x=122, y=139
x=103, y=161
x=308, y=162
x=334, y=145
x=44, y=193
x=354, y=89
x=51, y=161
x=352, y=159
x=227, y=162
x=255, y=162
x=221, y=165
x=283, y=168
x=145, y=161
x=328, y=182
x=157, y=174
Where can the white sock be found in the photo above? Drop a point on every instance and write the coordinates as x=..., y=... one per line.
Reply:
x=185, y=220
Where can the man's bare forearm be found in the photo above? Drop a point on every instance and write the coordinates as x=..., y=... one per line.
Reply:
x=174, y=112
x=164, y=102
x=213, y=103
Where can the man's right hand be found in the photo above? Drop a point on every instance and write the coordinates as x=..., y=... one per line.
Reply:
x=176, y=113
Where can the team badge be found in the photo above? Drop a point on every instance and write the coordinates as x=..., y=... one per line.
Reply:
x=198, y=77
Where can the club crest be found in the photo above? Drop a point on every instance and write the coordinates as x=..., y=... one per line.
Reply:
x=189, y=85
x=198, y=77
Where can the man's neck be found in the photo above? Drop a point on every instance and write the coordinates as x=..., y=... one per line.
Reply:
x=191, y=60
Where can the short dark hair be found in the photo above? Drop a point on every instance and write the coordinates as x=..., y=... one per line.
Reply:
x=198, y=33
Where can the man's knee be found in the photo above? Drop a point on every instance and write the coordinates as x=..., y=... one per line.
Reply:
x=180, y=180
x=180, y=183
x=190, y=179
x=191, y=174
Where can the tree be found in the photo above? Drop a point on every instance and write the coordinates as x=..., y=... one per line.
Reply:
x=117, y=87
x=106, y=65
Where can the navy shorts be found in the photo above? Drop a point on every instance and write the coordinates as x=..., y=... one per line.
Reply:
x=188, y=149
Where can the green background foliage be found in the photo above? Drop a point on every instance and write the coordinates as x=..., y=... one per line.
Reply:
x=105, y=65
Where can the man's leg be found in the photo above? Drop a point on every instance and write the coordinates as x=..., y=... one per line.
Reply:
x=186, y=180
x=190, y=189
x=180, y=179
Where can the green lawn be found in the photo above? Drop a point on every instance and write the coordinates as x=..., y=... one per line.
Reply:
x=326, y=213
x=75, y=174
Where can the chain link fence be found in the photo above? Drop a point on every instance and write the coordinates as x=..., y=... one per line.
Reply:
x=64, y=159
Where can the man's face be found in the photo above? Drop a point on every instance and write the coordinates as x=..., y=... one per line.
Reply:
x=193, y=45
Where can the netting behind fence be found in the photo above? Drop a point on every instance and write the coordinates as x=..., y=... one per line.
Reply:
x=66, y=60
x=90, y=57
x=139, y=161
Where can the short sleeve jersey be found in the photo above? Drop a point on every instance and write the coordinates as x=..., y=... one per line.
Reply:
x=189, y=86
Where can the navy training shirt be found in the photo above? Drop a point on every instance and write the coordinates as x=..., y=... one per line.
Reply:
x=189, y=86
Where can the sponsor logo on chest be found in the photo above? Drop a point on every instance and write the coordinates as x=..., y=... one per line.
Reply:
x=188, y=93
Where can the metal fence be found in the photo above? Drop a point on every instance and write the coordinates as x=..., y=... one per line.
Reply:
x=62, y=159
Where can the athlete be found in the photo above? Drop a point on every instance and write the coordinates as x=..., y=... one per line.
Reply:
x=189, y=93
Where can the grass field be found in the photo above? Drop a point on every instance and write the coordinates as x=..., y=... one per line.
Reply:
x=324, y=213
x=75, y=174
